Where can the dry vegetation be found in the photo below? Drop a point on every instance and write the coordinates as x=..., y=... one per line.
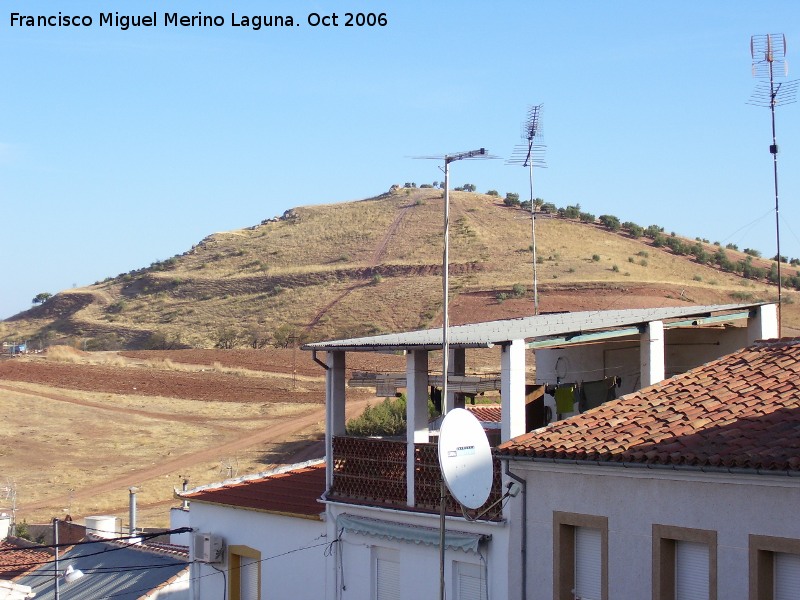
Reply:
x=80, y=427
x=367, y=267
x=74, y=441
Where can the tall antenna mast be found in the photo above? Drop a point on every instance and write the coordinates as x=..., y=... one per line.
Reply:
x=448, y=158
x=768, y=53
x=530, y=154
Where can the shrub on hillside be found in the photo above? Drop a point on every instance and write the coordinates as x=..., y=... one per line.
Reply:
x=653, y=231
x=610, y=222
x=634, y=230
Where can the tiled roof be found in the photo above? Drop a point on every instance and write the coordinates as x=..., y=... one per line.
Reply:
x=293, y=492
x=486, y=413
x=17, y=559
x=741, y=411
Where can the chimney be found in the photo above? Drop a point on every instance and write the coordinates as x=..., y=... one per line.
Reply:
x=132, y=510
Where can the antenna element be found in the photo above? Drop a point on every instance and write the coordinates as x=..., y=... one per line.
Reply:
x=531, y=154
x=768, y=53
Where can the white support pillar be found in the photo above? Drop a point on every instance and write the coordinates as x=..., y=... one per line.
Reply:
x=512, y=389
x=416, y=412
x=651, y=354
x=764, y=326
x=334, y=408
x=457, y=365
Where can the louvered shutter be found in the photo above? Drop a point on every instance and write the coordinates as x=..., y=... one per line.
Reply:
x=470, y=582
x=588, y=564
x=387, y=579
x=787, y=576
x=691, y=571
x=248, y=578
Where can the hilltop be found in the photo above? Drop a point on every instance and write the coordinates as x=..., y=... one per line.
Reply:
x=374, y=266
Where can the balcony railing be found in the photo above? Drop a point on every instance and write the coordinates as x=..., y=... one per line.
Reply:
x=373, y=471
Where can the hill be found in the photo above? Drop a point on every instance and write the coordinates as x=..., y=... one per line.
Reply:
x=374, y=266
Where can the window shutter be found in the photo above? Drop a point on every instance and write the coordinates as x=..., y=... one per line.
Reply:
x=691, y=571
x=387, y=579
x=588, y=564
x=787, y=576
x=470, y=582
x=248, y=578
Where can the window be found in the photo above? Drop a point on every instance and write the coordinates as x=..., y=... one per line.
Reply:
x=580, y=556
x=385, y=574
x=774, y=568
x=244, y=573
x=684, y=563
x=469, y=581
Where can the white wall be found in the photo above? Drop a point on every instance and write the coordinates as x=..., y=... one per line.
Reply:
x=178, y=518
x=298, y=574
x=176, y=590
x=634, y=499
x=419, y=563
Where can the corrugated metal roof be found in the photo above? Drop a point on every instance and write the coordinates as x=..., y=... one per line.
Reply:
x=480, y=335
x=111, y=570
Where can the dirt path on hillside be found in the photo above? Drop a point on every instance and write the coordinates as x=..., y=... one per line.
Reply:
x=380, y=249
x=377, y=255
x=274, y=433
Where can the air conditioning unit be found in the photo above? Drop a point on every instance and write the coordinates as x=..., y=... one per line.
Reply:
x=208, y=548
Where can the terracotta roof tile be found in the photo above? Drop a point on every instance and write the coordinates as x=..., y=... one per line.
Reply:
x=294, y=492
x=486, y=413
x=17, y=559
x=742, y=411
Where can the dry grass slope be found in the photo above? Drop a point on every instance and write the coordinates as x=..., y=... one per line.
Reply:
x=367, y=267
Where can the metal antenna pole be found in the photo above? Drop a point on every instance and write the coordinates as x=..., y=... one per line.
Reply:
x=533, y=244
x=449, y=158
x=767, y=51
x=531, y=154
x=446, y=286
x=55, y=562
x=774, y=151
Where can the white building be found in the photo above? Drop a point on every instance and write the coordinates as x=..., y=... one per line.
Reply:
x=687, y=489
x=379, y=520
x=259, y=536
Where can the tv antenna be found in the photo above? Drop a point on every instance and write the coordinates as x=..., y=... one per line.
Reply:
x=229, y=467
x=530, y=154
x=8, y=494
x=768, y=53
x=449, y=158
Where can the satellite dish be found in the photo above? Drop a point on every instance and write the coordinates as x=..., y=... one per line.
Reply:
x=465, y=458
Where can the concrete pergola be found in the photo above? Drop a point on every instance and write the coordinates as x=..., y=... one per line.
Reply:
x=541, y=333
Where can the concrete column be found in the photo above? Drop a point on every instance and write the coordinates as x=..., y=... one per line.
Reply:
x=512, y=389
x=457, y=365
x=416, y=412
x=334, y=408
x=764, y=326
x=651, y=354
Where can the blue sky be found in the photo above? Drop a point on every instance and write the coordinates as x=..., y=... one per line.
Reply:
x=120, y=148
